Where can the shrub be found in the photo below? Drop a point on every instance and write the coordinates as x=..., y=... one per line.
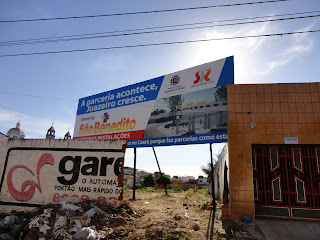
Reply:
x=149, y=180
x=163, y=180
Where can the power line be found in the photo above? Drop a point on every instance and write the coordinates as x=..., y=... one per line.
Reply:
x=3, y=44
x=57, y=98
x=142, y=12
x=159, y=27
x=159, y=44
x=35, y=96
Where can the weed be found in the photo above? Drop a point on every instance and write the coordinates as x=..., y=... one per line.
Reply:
x=125, y=189
x=152, y=189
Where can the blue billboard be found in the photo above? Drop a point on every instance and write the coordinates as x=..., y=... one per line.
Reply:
x=185, y=107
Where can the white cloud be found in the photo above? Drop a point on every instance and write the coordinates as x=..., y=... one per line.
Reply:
x=296, y=45
x=244, y=50
x=254, y=57
x=7, y=116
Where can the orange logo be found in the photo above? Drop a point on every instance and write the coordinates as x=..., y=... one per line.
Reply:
x=202, y=76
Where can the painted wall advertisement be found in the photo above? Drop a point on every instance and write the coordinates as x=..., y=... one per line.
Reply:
x=37, y=176
x=185, y=107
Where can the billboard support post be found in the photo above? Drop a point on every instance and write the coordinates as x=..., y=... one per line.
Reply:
x=212, y=182
x=177, y=125
x=134, y=174
x=165, y=185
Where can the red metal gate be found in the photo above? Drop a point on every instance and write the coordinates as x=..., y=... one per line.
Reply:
x=286, y=181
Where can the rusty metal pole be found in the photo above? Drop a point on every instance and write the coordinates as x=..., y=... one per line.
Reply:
x=165, y=185
x=212, y=181
x=134, y=174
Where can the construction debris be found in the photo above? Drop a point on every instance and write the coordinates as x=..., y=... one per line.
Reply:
x=66, y=220
x=165, y=217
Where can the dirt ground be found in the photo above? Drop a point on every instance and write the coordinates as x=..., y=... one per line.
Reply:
x=172, y=216
x=152, y=215
x=181, y=216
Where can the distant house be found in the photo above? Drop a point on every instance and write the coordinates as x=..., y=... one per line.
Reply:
x=202, y=180
x=195, y=181
x=128, y=180
x=141, y=173
x=128, y=171
x=178, y=183
x=186, y=179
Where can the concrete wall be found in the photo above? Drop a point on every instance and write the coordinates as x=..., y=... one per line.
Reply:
x=223, y=161
x=266, y=114
x=40, y=171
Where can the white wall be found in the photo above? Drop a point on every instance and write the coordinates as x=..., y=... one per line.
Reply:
x=186, y=179
x=219, y=172
x=41, y=171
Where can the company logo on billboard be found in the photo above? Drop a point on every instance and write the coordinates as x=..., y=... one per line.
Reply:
x=97, y=127
x=175, y=80
x=175, y=86
x=105, y=117
x=202, y=77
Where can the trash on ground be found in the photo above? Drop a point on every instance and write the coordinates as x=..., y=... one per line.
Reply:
x=66, y=220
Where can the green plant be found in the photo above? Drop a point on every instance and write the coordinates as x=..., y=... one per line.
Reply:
x=147, y=189
x=207, y=170
x=221, y=93
x=174, y=103
x=163, y=180
x=177, y=190
x=125, y=189
x=149, y=180
x=152, y=189
x=203, y=190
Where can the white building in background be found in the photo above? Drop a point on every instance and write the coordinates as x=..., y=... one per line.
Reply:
x=141, y=173
x=128, y=180
x=202, y=180
x=16, y=133
x=186, y=179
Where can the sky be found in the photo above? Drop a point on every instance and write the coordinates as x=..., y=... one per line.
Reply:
x=40, y=90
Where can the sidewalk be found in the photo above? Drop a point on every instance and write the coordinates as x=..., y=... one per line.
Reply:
x=275, y=229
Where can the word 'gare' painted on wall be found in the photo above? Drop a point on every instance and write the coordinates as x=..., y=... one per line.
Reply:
x=35, y=176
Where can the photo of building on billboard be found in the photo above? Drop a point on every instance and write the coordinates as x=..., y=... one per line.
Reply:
x=199, y=112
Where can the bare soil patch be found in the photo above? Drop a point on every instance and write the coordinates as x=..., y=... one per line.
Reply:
x=152, y=215
x=172, y=216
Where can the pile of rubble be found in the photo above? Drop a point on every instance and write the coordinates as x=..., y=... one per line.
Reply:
x=66, y=220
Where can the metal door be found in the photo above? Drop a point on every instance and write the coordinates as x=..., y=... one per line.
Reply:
x=286, y=181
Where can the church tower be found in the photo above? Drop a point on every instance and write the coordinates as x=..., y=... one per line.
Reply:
x=16, y=133
x=51, y=133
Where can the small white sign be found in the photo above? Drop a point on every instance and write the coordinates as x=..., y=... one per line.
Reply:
x=291, y=140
